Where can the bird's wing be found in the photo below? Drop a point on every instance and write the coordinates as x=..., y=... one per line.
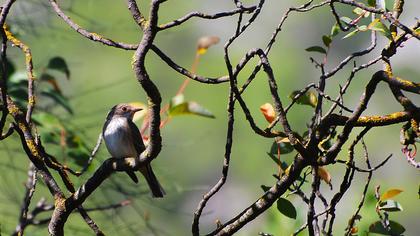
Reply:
x=137, y=139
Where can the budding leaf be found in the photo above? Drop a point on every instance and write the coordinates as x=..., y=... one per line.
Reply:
x=316, y=49
x=308, y=98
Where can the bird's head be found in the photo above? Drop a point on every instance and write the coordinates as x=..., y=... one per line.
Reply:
x=124, y=110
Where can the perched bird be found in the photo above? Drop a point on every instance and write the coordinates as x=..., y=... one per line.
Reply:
x=123, y=139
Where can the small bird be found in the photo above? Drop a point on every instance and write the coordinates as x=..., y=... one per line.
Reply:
x=123, y=139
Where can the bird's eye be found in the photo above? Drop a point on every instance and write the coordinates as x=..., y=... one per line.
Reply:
x=124, y=108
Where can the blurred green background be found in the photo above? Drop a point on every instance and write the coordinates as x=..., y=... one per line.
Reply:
x=193, y=147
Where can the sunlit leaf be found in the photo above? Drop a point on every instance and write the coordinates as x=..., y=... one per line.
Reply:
x=378, y=228
x=390, y=194
x=58, y=63
x=390, y=205
x=335, y=30
x=358, y=11
x=58, y=99
x=324, y=174
x=180, y=107
x=354, y=32
x=346, y=19
x=286, y=208
x=205, y=42
x=316, y=49
x=309, y=98
x=362, y=28
x=377, y=25
x=268, y=111
x=140, y=114
x=326, y=40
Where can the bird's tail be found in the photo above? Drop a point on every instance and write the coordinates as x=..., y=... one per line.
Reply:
x=154, y=185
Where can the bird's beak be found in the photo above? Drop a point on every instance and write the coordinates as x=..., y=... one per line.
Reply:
x=136, y=109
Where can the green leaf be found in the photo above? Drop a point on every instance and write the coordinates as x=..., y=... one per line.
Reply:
x=372, y=3
x=190, y=108
x=335, y=30
x=316, y=49
x=390, y=205
x=286, y=208
x=358, y=11
x=180, y=107
x=285, y=147
x=378, y=228
x=18, y=78
x=354, y=32
x=265, y=188
x=377, y=25
x=346, y=20
x=362, y=28
x=327, y=40
x=58, y=99
x=58, y=63
x=309, y=98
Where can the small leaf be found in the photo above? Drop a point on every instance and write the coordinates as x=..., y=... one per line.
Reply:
x=265, y=188
x=324, y=174
x=327, y=40
x=284, y=145
x=390, y=206
x=390, y=194
x=377, y=25
x=335, y=30
x=205, y=42
x=178, y=107
x=268, y=111
x=372, y=3
x=58, y=63
x=358, y=11
x=283, y=165
x=346, y=19
x=316, y=49
x=286, y=208
x=58, y=99
x=378, y=228
x=354, y=32
x=309, y=98
x=362, y=28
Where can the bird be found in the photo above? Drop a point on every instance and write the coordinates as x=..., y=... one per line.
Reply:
x=123, y=139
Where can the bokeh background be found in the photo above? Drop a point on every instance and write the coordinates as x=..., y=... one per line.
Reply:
x=193, y=147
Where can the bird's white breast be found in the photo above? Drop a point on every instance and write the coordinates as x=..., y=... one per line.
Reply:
x=118, y=140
